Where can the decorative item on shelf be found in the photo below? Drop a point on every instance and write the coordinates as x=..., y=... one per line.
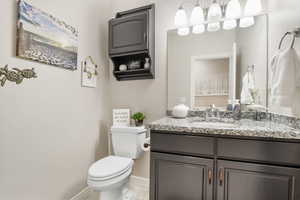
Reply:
x=138, y=118
x=134, y=65
x=147, y=63
x=180, y=110
x=43, y=38
x=122, y=68
x=216, y=12
x=15, y=75
x=89, y=72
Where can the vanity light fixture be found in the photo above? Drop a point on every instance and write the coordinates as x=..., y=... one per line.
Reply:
x=197, y=19
x=183, y=31
x=233, y=11
x=181, y=20
x=222, y=10
x=253, y=7
x=214, y=14
x=247, y=22
x=197, y=29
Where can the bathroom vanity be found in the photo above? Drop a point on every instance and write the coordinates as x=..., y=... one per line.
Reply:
x=242, y=160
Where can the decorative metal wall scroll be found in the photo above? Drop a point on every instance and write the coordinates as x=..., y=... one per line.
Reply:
x=15, y=75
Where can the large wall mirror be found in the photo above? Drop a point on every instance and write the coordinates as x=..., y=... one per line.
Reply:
x=212, y=67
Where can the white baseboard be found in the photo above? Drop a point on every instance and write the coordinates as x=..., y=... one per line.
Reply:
x=83, y=195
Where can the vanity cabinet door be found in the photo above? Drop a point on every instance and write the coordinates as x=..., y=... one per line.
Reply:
x=245, y=181
x=176, y=177
x=128, y=34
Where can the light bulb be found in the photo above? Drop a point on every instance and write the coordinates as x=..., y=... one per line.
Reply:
x=229, y=24
x=233, y=9
x=253, y=7
x=197, y=16
x=197, y=29
x=183, y=31
x=214, y=12
x=247, y=22
x=212, y=27
x=180, y=18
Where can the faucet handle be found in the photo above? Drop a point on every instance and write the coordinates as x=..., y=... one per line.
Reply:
x=212, y=106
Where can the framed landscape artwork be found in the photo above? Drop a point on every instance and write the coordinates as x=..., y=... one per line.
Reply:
x=43, y=38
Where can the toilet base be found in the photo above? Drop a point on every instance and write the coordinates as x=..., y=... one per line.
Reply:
x=122, y=193
x=115, y=194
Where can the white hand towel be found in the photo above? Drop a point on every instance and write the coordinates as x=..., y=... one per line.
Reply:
x=248, y=86
x=285, y=77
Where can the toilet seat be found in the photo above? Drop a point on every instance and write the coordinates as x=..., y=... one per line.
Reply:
x=109, y=168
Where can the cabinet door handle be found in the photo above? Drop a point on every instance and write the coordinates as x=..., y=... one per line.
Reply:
x=221, y=177
x=145, y=37
x=210, y=176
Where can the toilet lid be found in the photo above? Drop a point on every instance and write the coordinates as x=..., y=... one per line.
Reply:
x=110, y=167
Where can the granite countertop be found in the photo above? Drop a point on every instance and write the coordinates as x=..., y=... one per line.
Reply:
x=241, y=128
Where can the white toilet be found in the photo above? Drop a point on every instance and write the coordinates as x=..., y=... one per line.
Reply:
x=110, y=174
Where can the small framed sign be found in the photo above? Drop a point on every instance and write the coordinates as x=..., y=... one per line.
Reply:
x=121, y=117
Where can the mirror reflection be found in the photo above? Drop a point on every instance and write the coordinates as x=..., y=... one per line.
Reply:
x=219, y=68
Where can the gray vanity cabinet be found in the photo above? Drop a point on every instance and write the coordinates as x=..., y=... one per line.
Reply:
x=129, y=34
x=189, y=167
x=238, y=180
x=181, y=177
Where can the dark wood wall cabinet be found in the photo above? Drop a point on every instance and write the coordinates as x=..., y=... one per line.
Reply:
x=222, y=168
x=132, y=43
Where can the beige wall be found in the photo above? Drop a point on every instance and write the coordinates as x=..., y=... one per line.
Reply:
x=284, y=16
x=52, y=129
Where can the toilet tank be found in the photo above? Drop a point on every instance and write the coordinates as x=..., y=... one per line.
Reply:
x=127, y=141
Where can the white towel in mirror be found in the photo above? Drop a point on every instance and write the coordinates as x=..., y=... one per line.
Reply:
x=248, y=86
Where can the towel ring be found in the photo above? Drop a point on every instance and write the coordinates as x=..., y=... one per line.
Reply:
x=284, y=36
x=295, y=33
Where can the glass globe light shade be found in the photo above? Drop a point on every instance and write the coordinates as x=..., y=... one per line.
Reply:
x=253, y=7
x=183, y=31
x=197, y=29
x=212, y=27
x=180, y=18
x=229, y=24
x=197, y=16
x=214, y=12
x=233, y=9
x=247, y=22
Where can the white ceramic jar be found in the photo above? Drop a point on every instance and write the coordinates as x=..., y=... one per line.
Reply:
x=180, y=111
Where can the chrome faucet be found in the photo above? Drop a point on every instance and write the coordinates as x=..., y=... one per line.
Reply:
x=236, y=112
x=212, y=113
